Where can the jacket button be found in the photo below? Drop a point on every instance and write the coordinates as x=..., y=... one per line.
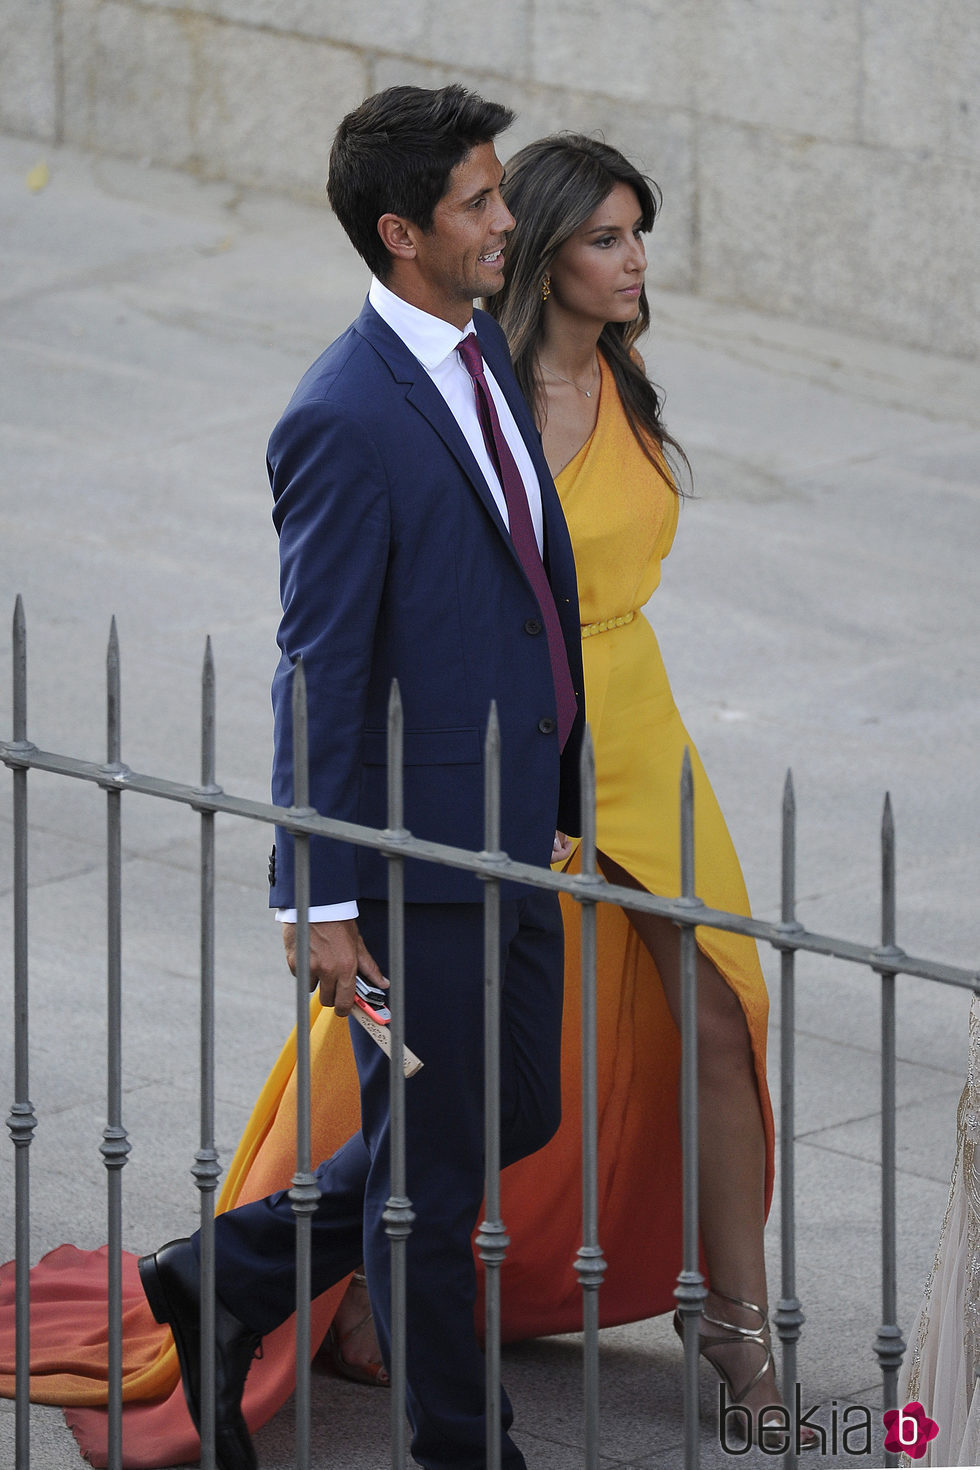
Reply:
x=547, y=726
x=532, y=626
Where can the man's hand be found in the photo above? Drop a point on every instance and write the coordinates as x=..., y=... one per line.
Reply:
x=562, y=849
x=337, y=956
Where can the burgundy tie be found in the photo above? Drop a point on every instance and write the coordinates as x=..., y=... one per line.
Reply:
x=522, y=533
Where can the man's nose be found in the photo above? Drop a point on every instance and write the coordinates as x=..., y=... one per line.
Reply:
x=503, y=220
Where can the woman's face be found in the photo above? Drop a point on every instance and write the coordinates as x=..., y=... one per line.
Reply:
x=598, y=272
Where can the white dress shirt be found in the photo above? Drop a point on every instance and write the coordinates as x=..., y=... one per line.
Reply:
x=433, y=342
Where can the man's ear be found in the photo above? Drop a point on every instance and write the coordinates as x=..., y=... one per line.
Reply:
x=398, y=236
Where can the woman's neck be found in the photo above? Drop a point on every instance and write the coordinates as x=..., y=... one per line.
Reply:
x=568, y=347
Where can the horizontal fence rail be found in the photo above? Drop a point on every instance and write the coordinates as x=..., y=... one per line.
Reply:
x=787, y=936
x=25, y=756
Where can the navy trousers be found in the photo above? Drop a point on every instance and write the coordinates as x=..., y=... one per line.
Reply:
x=445, y=1152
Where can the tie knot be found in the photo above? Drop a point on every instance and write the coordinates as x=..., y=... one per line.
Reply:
x=469, y=351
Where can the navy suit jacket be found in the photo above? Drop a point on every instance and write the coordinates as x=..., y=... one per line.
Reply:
x=395, y=563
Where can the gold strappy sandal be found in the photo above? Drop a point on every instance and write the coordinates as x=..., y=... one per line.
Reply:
x=733, y=1333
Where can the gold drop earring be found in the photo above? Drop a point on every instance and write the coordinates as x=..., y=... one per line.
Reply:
x=545, y=288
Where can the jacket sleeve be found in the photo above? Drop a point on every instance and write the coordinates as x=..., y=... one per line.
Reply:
x=332, y=514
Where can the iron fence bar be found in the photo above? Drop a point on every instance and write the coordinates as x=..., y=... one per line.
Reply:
x=590, y=1263
x=788, y=1316
x=313, y=825
x=492, y=1240
x=115, y=1144
x=22, y=1120
x=205, y=1170
x=397, y=1216
x=889, y=1345
x=304, y=1195
x=690, y=1290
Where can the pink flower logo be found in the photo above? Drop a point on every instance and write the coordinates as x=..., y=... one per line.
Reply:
x=909, y=1430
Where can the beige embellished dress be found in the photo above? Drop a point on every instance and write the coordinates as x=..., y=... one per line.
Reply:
x=943, y=1358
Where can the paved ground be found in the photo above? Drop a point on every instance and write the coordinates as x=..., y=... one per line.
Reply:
x=819, y=612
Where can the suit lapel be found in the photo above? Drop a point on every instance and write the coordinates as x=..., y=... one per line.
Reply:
x=425, y=398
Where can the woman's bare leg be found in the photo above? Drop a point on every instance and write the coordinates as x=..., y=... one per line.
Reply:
x=732, y=1149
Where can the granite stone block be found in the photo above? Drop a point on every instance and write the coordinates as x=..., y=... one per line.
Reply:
x=961, y=54
x=79, y=71
x=141, y=80
x=865, y=240
x=399, y=27
x=267, y=106
x=921, y=69
x=781, y=65
x=902, y=100
x=463, y=37
x=639, y=52
x=29, y=68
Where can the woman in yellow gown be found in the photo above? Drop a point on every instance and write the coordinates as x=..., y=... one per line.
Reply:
x=573, y=306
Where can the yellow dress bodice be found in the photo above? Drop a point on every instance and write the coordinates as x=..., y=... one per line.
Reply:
x=621, y=514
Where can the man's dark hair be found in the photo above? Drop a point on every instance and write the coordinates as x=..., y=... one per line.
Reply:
x=394, y=155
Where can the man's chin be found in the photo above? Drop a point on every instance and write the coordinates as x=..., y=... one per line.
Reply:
x=491, y=284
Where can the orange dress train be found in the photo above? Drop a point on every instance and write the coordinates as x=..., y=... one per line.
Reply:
x=622, y=514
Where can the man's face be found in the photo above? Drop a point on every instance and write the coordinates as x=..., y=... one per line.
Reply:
x=461, y=256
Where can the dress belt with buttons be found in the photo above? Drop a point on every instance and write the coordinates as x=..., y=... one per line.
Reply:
x=589, y=629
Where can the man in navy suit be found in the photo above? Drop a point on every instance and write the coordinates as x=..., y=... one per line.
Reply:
x=405, y=555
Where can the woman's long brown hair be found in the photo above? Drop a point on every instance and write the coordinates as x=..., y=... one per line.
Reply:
x=551, y=187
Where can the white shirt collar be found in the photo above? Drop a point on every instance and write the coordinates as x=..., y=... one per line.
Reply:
x=427, y=337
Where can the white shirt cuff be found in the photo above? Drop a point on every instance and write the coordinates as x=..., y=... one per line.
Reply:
x=322, y=913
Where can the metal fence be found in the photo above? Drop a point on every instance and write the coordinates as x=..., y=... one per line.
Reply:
x=588, y=889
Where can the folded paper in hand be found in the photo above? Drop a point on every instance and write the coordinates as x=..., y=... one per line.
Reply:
x=382, y=1036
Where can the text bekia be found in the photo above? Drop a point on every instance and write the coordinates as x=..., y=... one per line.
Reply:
x=847, y=1432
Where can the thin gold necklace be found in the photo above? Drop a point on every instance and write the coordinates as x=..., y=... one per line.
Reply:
x=586, y=392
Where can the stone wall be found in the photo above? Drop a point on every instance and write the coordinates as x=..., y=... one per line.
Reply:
x=819, y=158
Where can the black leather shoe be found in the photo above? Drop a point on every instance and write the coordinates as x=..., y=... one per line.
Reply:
x=171, y=1281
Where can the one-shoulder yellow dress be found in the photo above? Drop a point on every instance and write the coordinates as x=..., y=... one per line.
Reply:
x=622, y=514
